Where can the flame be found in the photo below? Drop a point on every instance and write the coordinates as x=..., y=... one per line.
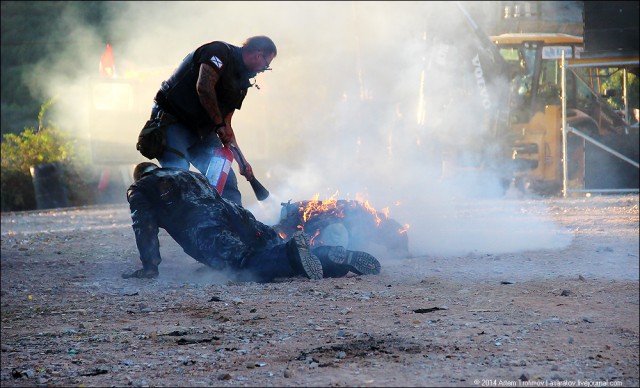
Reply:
x=331, y=207
x=313, y=216
x=313, y=238
x=107, y=65
x=316, y=207
x=372, y=211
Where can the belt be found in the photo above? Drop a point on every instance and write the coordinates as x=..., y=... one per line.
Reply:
x=158, y=112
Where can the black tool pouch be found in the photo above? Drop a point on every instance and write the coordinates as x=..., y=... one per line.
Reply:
x=152, y=139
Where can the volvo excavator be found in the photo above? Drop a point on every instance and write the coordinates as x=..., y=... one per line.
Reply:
x=515, y=80
x=535, y=119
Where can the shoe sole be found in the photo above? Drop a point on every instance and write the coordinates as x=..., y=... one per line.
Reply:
x=358, y=262
x=140, y=274
x=310, y=263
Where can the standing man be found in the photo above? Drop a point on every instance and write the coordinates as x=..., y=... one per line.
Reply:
x=223, y=235
x=199, y=99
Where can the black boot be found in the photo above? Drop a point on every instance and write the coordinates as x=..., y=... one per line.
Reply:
x=284, y=260
x=337, y=261
x=150, y=272
x=299, y=252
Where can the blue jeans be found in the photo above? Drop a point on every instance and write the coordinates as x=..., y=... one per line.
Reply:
x=198, y=153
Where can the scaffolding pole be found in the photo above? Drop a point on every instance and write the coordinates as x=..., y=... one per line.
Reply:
x=563, y=99
x=566, y=129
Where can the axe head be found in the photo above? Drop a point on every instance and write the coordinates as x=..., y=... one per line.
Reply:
x=259, y=190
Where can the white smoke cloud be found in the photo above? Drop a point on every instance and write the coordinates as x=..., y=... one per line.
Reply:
x=338, y=115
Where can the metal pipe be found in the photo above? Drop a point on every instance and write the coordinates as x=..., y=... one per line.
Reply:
x=605, y=191
x=563, y=99
x=604, y=147
x=612, y=63
x=625, y=100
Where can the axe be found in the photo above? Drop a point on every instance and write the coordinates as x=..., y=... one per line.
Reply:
x=258, y=189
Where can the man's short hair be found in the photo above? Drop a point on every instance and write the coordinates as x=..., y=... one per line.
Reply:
x=260, y=43
x=141, y=168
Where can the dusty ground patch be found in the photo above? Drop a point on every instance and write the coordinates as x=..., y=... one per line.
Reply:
x=548, y=316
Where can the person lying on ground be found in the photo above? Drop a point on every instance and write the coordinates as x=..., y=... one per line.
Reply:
x=223, y=235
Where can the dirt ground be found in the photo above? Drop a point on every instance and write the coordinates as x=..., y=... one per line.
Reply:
x=539, y=317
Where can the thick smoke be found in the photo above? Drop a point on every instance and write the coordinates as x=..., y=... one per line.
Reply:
x=352, y=110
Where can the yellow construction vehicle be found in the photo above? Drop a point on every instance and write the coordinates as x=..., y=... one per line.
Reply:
x=510, y=88
x=536, y=117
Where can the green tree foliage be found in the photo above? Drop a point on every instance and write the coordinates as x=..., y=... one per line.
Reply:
x=34, y=146
x=37, y=32
x=633, y=90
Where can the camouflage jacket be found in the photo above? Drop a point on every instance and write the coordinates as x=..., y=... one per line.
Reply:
x=210, y=229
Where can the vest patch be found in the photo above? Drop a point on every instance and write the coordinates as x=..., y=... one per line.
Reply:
x=217, y=62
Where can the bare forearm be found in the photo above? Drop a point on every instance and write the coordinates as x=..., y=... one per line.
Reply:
x=206, y=89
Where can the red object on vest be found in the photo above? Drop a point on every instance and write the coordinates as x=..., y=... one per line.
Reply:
x=219, y=167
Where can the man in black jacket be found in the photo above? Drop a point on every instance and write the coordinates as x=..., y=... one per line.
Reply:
x=223, y=235
x=199, y=100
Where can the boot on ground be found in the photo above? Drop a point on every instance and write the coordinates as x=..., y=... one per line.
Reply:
x=338, y=261
x=299, y=252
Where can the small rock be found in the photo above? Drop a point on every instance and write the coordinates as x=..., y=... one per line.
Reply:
x=587, y=318
x=288, y=373
x=224, y=376
x=524, y=377
x=566, y=293
x=556, y=377
x=612, y=372
x=6, y=348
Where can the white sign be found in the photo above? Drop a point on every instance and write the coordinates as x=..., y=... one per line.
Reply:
x=555, y=52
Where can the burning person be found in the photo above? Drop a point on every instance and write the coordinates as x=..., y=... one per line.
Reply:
x=222, y=234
